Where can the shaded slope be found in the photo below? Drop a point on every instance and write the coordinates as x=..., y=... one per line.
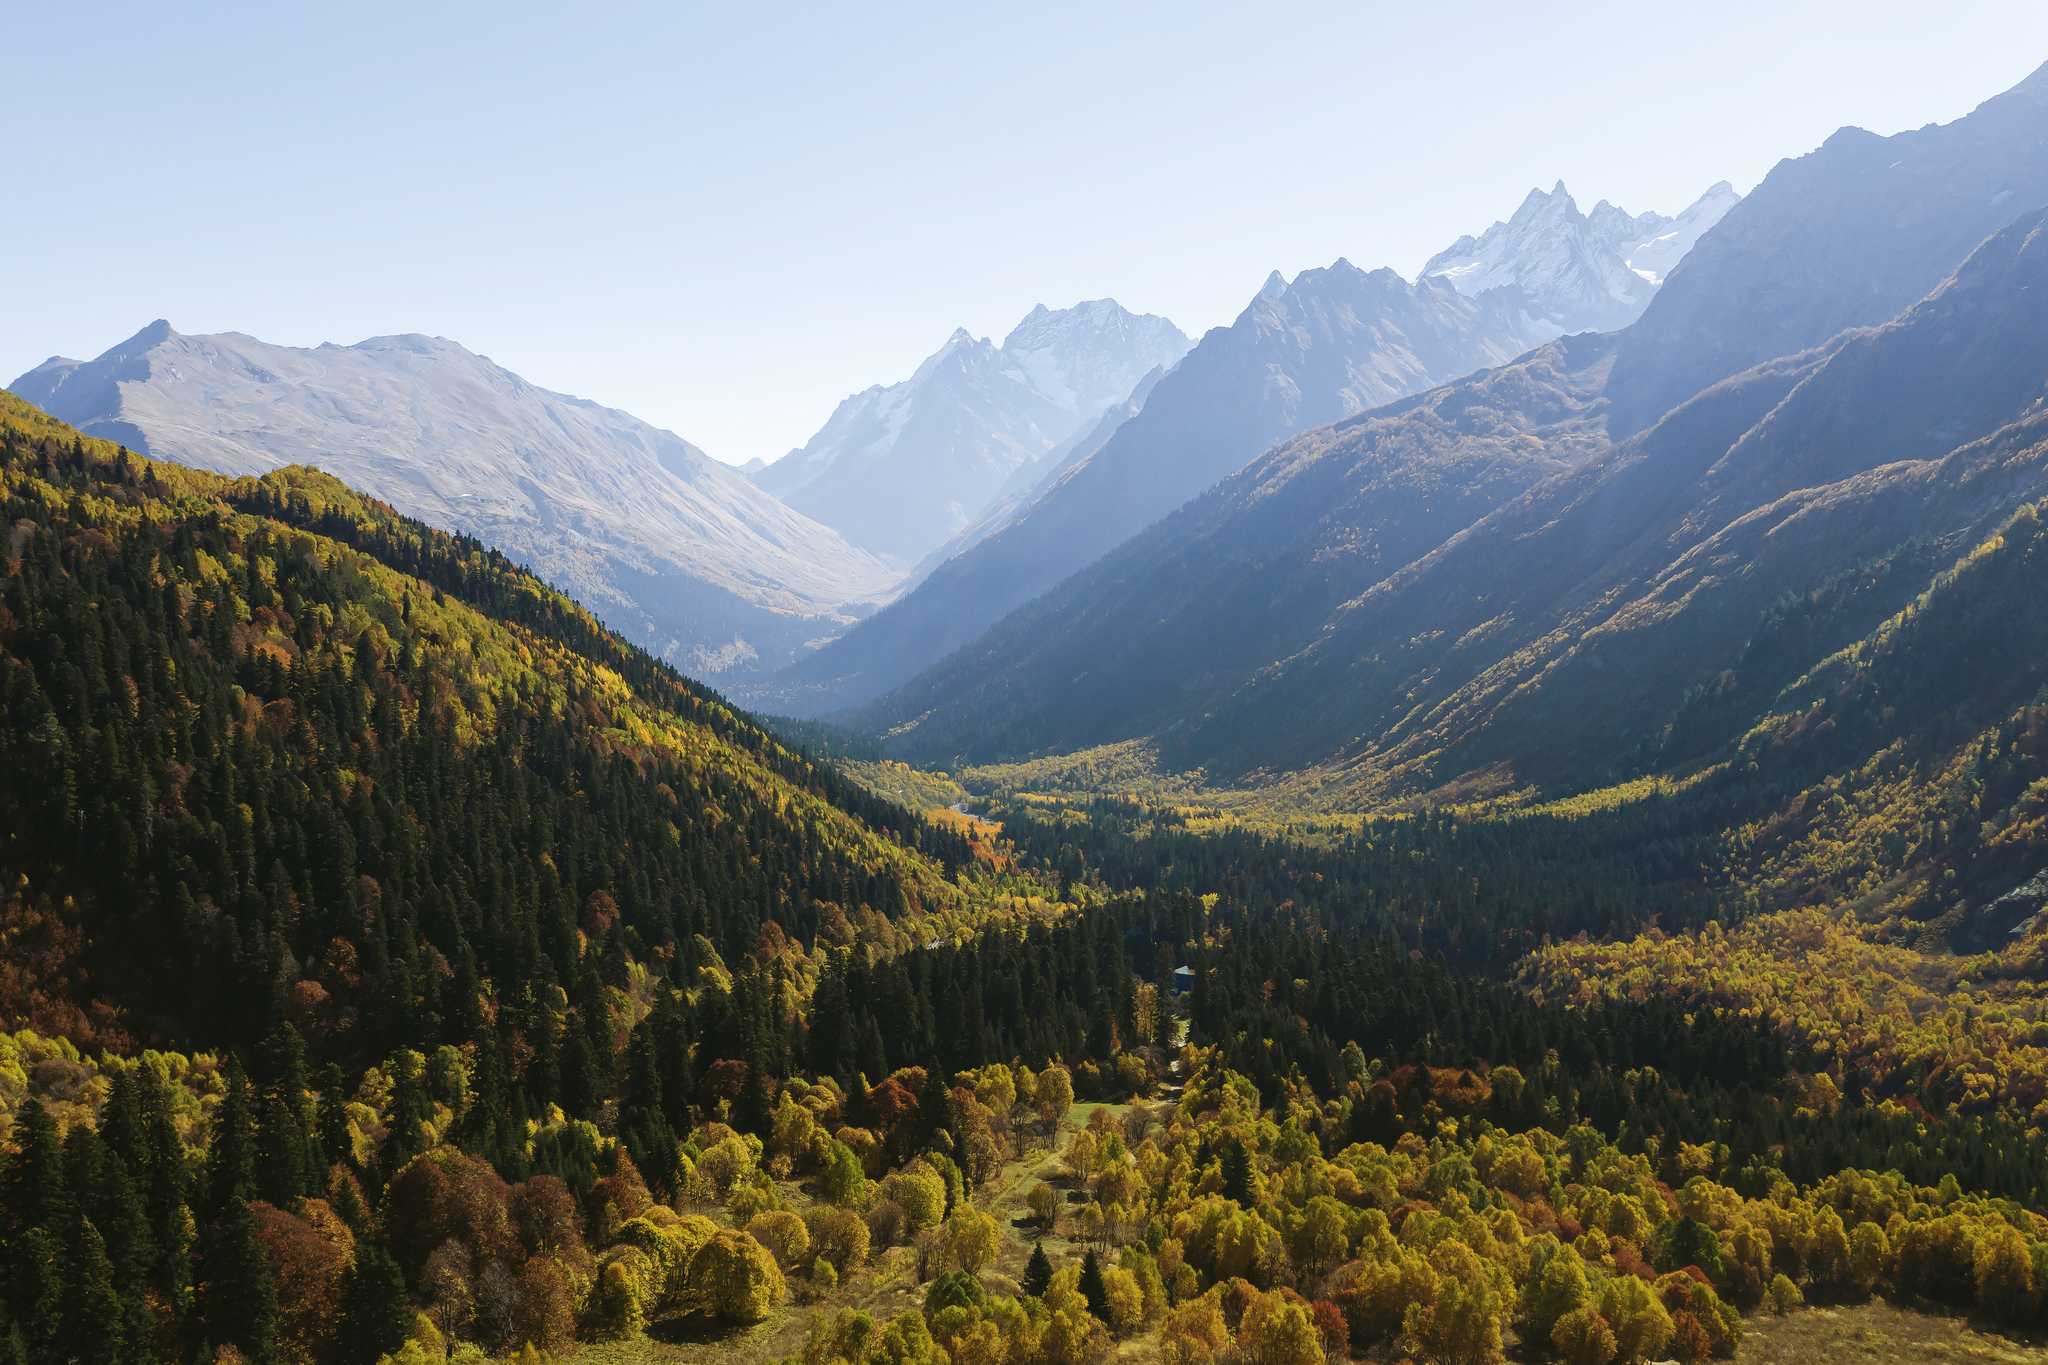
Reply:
x=1875, y=443
x=1155, y=633
x=1333, y=343
x=1847, y=236
x=266, y=732
x=1495, y=604
x=899, y=469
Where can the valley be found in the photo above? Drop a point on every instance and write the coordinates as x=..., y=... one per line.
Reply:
x=1493, y=815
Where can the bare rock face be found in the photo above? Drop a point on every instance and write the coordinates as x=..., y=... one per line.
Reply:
x=682, y=554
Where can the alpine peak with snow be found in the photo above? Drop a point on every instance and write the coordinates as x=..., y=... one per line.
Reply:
x=1577, y=272
x=897, y=470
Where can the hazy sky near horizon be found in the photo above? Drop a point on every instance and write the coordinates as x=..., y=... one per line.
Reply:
x=725, y=219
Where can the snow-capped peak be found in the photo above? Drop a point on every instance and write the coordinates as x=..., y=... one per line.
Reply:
x=901, y=468
x=1577, y=272
x=1653, y=254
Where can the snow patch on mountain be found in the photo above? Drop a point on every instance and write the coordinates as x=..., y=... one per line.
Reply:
x=1577, y=272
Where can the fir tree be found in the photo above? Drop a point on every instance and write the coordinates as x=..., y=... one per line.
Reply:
x=1237, y=1173
x=231, y=1145
x=35, y=1294
x=1091, y=1286
x=336, y=1147
x=935, y=1110
x=35, y=1174
x=753, y=1114
x=91, y=1332
x=241, y=1299
x=376, y=1314
x=285, y=1166
x=1037, y=1272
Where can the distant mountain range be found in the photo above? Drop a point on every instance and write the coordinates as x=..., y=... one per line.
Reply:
x=1327, y=345
x=1552, y=572
x=675, y=550
x=899, y=470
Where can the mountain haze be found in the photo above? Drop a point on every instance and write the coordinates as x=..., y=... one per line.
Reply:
x=1553, y=636
x=1578, y=272
x=899, y=470
x=1332, y=343
x=683, y=554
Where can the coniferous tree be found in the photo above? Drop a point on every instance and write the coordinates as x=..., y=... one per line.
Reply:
x=935, y=1108
x=336, y=1147
x=286, y=1166
x=1237, y=1173
x=1092, y=1288
x=1037, y=1272
x=36, y=1294
x=376, y=1314
x=231, y=1145
x=94, y=1318
x=753, y=1113
x=241, y=1297
x=35, y=1174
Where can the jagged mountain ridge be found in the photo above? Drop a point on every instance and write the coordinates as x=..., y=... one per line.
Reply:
x=1578, y=272
x=681, y=553
x=1332, y=343
x=1461, y=659
x=899, y=470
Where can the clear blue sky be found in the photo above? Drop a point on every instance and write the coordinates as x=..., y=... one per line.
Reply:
x=726, y=219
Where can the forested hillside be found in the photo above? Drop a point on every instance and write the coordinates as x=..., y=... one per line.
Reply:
x=395, y=963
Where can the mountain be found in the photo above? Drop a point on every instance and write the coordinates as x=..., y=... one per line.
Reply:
x=1850, y=235
x=683, y=554
x=1330, y=344
x=1578, y=272
x=899, y=470
x=1552, y=637
x=1333, y=342
x=372, y=912
x=1022, y=488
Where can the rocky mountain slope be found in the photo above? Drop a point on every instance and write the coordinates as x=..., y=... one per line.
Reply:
x=1551, y=638
x=899, y=470
x=1331, y=343
x=680, y=553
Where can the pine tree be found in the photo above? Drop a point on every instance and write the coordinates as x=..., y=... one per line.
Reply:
x=35, y=1291
x=1091, y=1286
x=285, y=1167
x=410, y=1108
x=336, y=1148
x=1237, y=1173
x=231, y=1145
x=91, y=1331
x=752, y=1114
x=1101, y=1028
x=1038, y=1272
x=935, y=1108
x=35, y=1174
x=376, y=1314
x=241, y=1299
